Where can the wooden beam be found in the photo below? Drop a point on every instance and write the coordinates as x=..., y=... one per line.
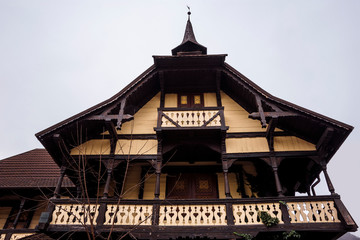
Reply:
x=162, y=88
x=66, y=157
x=261, y=112
x=257, y=115
x=113, y=135
x=121, y=113
x=218, y=84
x=325, y=138
x=270, y=132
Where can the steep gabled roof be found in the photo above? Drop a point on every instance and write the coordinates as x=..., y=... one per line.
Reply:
x=186, y=69
x=32, y=169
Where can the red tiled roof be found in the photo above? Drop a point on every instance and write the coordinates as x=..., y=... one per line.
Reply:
x=34, y=168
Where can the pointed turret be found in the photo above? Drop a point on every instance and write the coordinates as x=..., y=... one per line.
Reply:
x=189, y=44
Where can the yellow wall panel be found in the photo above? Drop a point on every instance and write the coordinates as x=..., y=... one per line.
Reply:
x=233, y=185
x=236, y=118
x=144, y=120
x=246, y=145
x=171, y=100
x=221, y=185
x=136, y=147
x=149, y=186
x=4, y=213
x=210, y=100
x=132, y=182
x=292, y=143
x=92, y=147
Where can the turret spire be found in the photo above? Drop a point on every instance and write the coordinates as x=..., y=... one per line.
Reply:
x=189, y=43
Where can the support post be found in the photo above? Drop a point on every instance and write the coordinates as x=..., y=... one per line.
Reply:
x=226, y=164
x=58, y=186
x=274, y=166
x=157, y=183
x=22, y=203
x=327, y=178
x=107, y=184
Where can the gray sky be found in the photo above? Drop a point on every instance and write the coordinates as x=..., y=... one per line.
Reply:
x=58, y=58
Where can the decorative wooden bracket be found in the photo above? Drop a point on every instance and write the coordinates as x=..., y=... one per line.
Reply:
x=118, y=117
x=111, y=163
x=261, y=112
x=113, y=135
x=66, y=157
x=323, y=141
x=227, y=163
x=270, y=132
x=256, y=115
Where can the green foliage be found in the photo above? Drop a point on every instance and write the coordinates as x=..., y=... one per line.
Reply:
x=244, y=236
x=291, y=235
x=267, y=219
x=283, y=203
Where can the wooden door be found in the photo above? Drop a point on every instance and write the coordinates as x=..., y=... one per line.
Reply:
x=191, y=186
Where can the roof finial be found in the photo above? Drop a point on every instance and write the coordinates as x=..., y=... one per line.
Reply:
x=189, y=13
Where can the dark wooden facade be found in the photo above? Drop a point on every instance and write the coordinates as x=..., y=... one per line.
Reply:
x=193, y=149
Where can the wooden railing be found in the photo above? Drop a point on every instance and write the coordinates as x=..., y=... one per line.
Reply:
x=221, y=212
x=191, y=118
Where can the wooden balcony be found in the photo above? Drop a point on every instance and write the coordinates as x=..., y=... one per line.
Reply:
x=183, y=218
x=191, y=118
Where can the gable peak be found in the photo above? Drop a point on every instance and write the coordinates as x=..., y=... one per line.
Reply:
x=189, y=44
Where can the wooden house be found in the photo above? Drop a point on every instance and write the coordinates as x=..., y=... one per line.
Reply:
x=192, y=149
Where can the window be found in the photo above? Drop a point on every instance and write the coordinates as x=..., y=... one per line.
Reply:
x=191, y=100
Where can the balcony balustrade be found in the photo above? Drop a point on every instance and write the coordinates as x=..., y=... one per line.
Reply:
x=191, y=117
x=221, y=212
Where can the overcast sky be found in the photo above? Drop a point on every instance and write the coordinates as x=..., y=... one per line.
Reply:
x=58, y=58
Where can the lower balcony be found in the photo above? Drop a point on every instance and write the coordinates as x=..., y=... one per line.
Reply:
x=164, y=219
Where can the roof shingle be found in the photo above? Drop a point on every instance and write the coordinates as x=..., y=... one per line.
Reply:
x=34, y=168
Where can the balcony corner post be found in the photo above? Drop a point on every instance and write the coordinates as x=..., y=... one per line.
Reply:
x=285, y=213
x=155, y=215
x=229, y=214
x=157, y=183
x=101, y=218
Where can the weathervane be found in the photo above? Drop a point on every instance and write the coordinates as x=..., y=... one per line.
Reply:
x=189, y=13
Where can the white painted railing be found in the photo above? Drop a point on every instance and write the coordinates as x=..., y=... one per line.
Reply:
x=247, y=214
x=193, y=118
x=204, y=214
x=312, y=212
x=75, y=214
x=192, y=215
x=128, y=214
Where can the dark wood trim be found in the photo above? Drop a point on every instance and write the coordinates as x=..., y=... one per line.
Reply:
x=191, y=109
x=218, y=86
x=257, y=115
x=256, y=134
x=270, y=132
x=267, y=154
x=162, y=89
x=130, y=136
x=260, y=111
x=113, y=135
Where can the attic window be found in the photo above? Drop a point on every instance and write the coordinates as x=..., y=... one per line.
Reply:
x=191, y=100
